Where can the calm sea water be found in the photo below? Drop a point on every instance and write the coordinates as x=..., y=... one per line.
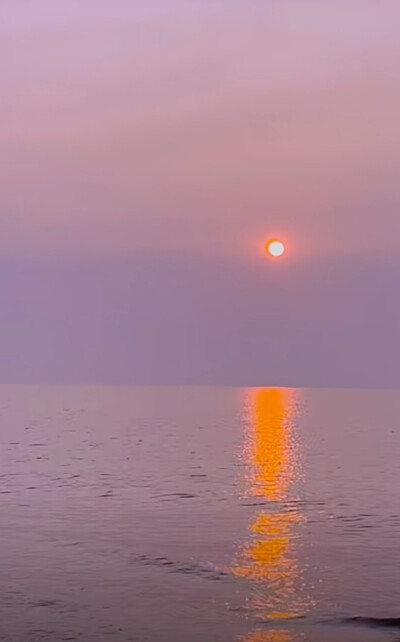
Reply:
x=201, y=514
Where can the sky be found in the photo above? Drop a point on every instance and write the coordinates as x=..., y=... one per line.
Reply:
x=149, y=149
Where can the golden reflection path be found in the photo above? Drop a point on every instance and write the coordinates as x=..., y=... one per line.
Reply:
x=269, y=559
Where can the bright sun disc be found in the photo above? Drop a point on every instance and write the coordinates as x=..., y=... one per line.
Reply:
x=275, y=248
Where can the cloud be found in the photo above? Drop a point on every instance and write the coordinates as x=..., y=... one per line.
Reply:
x=177, y=320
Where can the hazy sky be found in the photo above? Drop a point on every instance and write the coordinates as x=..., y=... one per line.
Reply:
x=148, y=149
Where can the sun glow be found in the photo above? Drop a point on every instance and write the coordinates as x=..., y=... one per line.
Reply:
x=275, y=248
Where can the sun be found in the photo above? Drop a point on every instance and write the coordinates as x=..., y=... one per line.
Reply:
x=275, y=248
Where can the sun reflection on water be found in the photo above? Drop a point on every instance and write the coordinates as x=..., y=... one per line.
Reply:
x=269, y=559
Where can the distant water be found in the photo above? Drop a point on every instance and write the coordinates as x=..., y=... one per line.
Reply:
x=199, y=514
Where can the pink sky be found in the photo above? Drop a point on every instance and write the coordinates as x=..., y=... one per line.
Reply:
x=200, y=126
x=148, y=150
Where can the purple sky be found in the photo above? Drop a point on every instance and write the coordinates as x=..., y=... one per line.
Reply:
x=149, y=149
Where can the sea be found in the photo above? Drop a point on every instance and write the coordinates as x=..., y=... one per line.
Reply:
x=184, y=514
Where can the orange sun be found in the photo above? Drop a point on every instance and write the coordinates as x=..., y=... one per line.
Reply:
x=275, y=248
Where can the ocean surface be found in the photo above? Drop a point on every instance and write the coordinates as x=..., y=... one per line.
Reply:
x=199, y=514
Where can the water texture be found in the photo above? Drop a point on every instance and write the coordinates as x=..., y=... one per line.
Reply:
x=218, y=514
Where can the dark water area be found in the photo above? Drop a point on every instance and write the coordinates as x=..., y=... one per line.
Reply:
x=218, y=514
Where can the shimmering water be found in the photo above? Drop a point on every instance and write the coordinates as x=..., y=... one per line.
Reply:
x=248, y=515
